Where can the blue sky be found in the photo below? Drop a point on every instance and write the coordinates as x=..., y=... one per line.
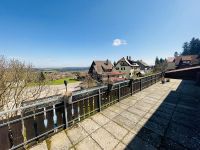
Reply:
x=63, y=33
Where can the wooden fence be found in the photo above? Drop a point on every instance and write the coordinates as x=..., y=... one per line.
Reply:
x=36, y=122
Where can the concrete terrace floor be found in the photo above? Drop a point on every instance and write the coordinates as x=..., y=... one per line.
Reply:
x=162, y=116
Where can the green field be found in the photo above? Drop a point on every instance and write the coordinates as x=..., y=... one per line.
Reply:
x=61, y=81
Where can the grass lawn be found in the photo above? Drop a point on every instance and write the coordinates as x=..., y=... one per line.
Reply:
x=61, y=81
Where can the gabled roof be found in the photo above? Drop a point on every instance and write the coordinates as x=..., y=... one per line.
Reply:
x=177, y=60
x=102, y=66
x=143, y=63
x=170, y=59
x=193, y=58
x=129, y=62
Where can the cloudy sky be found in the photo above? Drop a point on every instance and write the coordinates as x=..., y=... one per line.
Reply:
x=63, y=33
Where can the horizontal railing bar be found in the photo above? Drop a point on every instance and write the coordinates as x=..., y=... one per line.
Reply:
x=29, y=116
x=75, y=93
x=30, y=106
x=84, y=98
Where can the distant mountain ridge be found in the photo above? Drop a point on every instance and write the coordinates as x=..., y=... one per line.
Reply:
x=64, y=69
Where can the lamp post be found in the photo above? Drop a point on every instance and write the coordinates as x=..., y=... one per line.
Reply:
x=65, y=82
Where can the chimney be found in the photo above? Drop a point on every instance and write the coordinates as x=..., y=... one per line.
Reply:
x=129, y=57
x=107, y=62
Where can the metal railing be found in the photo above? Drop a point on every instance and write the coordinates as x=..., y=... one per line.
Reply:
x=35, y=122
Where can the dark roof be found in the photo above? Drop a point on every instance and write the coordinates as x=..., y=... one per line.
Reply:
x=129, y=62
x=193, y=58
x=102, y=66
x=143, y=63
x=177, y=60
x=170, y=59
x=113, y=73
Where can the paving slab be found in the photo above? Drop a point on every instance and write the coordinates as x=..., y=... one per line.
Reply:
x=100, y=119
x=144, y=104
x=87, y=144
x=129, y=101
x=121, y=105
x=120, y=146
x=89, y=125
x=104, y=139
x=124, y=122
x=116, y=109
x=76, y=134
x=116, y=130
x=132, y=117
x=143, y=108
x=109, y=114
x=136, y=111
x=40, y=146
x=59, y=141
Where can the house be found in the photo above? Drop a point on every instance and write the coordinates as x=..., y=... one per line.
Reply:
x=171, y=63
x=143, y=66
x=127, y=66
x=103, y=71
x=187, y=61
x=183, y=61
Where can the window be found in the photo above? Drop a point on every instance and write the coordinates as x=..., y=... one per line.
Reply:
x=117, y=68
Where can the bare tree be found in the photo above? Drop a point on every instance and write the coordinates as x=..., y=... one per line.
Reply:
x=19, y=82
x=88, y=82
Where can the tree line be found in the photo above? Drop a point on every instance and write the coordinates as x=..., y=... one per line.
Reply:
x=190, y=48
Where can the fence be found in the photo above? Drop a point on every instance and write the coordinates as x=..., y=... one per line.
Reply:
x=36, y=122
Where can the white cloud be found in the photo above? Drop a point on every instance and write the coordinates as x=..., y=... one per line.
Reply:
x=118, y=42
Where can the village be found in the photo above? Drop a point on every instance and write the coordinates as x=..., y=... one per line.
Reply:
x=103, y=72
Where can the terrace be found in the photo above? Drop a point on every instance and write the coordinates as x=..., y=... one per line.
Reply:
x=160, y=116
x=133, y=114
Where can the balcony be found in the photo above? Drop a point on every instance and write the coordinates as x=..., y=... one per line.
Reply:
x=161, y=116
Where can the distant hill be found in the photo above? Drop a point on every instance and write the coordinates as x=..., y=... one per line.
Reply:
x=64, y=69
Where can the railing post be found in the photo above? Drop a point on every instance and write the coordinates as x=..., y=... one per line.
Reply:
x=23, y=129
x=119, y=95
x=140, y=84
x=131, y=86
x=99, y=99
x=65, y=110
x=35, y=127
x=10, y=136
x=156, y=78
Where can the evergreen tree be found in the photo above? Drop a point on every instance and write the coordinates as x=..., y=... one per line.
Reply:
x=176, y=54
x=41, y=76
x=191, y=48
x=186, y=49
x=157, y=61
x=161, y=60
x=194, y=46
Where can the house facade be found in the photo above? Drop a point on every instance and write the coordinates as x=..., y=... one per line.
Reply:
x=183, y=61
x=127, y=66
x=143, y=66
x=103, y=71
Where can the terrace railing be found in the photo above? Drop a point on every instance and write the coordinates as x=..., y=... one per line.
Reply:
x=33, y=123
